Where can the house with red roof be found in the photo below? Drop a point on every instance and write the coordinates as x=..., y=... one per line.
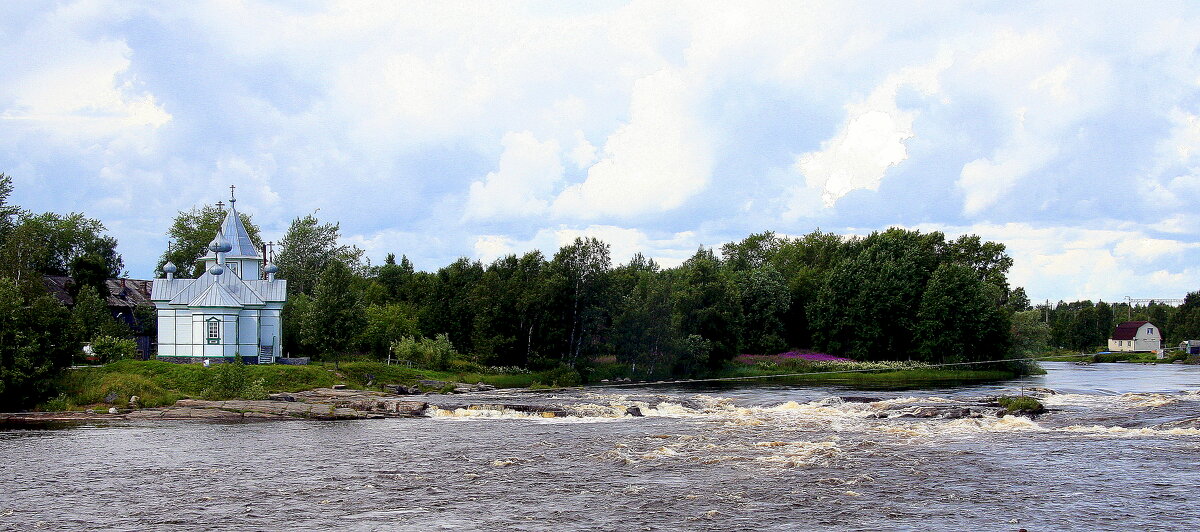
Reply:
x=1135, y=336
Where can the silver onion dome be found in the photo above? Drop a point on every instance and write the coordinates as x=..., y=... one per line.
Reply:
x=169, y=267
x=216, y=269
x=271, y=268
x=220, y=245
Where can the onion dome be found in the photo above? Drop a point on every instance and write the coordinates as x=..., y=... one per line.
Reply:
x=169, y=267
x=220, y=245
x=271, y=268
x=216, y=269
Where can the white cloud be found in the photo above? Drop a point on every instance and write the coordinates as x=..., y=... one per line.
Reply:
x=653, y=163
x=1039, y=88
x=624, y=243
x=527, y=174
x=77, y=89
x=1074, y=263
x=870, y=141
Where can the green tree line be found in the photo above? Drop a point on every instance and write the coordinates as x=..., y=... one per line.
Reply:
x=892, y=295
x=39, y=336
x=1087, y=326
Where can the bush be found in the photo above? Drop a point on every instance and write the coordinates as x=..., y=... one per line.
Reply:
x=465, y=366
x=1020, y=403
x=227, y=381
x=560, y=377
x=110, y=349
x=435, y=353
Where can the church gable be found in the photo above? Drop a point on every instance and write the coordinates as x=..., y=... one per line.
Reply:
x=215, y=296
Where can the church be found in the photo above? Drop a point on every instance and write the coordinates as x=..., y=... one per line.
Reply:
x=233, y=309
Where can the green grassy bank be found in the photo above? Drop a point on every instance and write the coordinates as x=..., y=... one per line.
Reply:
x=1117, y=357
x=881, y=378
x=158, y=383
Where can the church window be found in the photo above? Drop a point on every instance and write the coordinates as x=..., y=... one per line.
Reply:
x=233, y=267
x=214, y=331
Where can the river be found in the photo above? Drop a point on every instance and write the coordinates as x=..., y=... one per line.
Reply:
x=1120, y=450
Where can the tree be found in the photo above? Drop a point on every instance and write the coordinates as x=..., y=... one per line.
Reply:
x=48, y=244
x=91, y=318
x=8, y=212
x=960, y=320
x=33, y=348
x=765, y=300
x=867, y=306
x=192, y=231
x=334, y=317
x=709, y=308
x=645, y=328
x=1030, y=335
x=307, y=250
x=387, y=323
x=578, y=279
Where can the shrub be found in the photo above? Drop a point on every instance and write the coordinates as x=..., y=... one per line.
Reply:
x=1020, y=403
x=430, y=353
x=560, y=377
x=228, y=380
x=110, y=349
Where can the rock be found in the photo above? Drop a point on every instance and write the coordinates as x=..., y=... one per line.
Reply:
x=634, y=411
x=287, y=397
x=484, y=387
x=113, y=410
x=339, y=386
x=463, y=389
x=90, y=411
x=857, y=399
x=134, y=400
x=112, y=396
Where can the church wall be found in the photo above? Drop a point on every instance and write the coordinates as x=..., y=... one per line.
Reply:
x=166, y=332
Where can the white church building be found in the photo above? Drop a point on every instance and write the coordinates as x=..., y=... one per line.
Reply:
x=233, y=309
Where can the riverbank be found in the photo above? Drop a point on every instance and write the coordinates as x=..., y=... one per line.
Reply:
x=1135, y=358
x=153, y=384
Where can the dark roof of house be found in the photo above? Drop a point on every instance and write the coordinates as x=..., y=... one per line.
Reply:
x=1127, y=330
x=122, y=293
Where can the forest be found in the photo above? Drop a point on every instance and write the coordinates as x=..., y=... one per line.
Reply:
x=891, y=295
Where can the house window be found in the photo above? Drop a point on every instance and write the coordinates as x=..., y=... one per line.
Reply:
x=232, y=267
x=214, y=331
x=1149, y=330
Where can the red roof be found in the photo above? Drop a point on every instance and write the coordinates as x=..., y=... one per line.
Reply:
x=1127, y=330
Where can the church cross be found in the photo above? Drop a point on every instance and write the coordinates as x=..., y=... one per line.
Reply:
x=231, y=200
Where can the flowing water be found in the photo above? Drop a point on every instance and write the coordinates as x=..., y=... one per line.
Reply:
x=1120, y=450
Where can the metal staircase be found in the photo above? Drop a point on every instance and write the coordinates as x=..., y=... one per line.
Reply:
x=266, y=354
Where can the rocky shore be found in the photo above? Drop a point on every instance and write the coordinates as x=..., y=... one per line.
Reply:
x=328, y=404
x=325, y=404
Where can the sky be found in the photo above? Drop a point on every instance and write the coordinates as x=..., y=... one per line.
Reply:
x=1068, y=131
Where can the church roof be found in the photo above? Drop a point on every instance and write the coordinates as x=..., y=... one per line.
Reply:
x=192, y=291
x=235, y=233
x=215, y=296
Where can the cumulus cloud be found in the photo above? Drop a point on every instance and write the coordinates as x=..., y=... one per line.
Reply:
x=653, y=163
x=527, y=174
x=1039, y=87
x=624, y=242
x=869, y=142
x=1063, y=262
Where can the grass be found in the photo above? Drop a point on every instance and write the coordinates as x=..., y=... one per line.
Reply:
x=1020, y=403
x=904, y=374
x=159, y=383
x=1071, y=356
